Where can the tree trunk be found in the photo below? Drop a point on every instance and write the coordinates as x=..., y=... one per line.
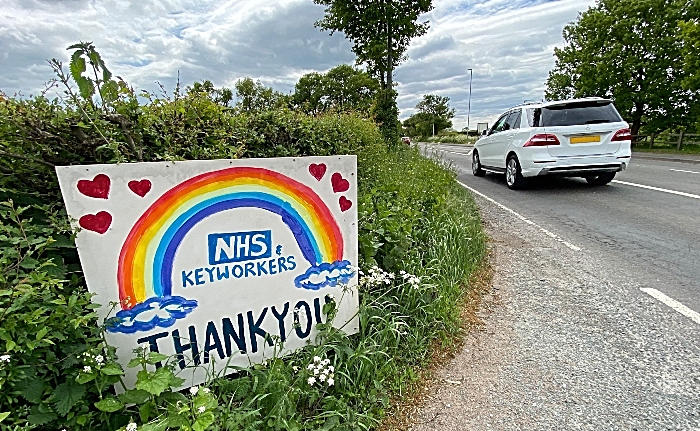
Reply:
x=636, y=119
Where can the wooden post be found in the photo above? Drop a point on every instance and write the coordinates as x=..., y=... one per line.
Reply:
x=680, y=139
x=651, y=139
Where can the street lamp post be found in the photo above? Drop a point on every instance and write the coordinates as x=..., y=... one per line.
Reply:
x=469, y=106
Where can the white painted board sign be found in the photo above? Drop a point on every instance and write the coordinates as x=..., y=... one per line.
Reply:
x=205, y=258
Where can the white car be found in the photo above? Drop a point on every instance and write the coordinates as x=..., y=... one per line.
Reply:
x=576, y=138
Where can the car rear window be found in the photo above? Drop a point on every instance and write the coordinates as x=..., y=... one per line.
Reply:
x=573, y=114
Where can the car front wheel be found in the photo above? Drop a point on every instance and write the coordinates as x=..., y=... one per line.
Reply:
x=600, y=179
x=477, y=170
x=514, y=176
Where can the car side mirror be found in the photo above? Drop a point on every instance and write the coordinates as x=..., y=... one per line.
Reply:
x=485, y=132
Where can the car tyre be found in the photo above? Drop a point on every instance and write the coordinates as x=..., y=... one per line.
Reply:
x=477, y=170
x=600, y=179
x=514, y=176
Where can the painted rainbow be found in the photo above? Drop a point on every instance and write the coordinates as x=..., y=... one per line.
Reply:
x=147, y=256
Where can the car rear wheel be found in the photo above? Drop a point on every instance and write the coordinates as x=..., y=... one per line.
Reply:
x=514, y=176
x=600, y=179
x=477, y=170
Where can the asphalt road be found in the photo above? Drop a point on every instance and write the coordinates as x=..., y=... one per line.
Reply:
x=650, y=235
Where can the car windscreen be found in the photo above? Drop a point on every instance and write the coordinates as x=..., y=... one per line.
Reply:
x=578, y=113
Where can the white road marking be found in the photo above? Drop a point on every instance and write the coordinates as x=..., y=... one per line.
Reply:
x=453, y=152
x=681, y=170
x=658, y=189
x=687, y=312
x=523, y=218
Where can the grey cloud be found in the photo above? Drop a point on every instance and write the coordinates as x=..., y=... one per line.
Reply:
x=507, y=43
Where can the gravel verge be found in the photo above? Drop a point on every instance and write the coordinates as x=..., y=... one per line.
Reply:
x=569, y=342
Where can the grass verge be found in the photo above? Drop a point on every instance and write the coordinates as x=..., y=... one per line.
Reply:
x=689, y=149
x=401, y=415
x=448, y=139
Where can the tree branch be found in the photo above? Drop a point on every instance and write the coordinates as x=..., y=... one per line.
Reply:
x=31, y=159
x=124, y=123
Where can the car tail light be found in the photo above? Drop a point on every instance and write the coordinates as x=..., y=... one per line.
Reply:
x=542, y=140
x=622, y=135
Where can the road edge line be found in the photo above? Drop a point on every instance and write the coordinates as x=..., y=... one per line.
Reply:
x=523, y=218
x=658, y=189
x=687, y=312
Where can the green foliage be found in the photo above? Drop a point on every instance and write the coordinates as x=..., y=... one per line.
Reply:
x=342, y=88
x=222, y=96
x=47, y=324
x=434, y=115
x=386, y=115
x=690, y=46
x=253, y=96
x=628, y=50
x=380, y=31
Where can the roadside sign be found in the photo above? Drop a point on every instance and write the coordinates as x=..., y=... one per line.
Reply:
x=215, y=261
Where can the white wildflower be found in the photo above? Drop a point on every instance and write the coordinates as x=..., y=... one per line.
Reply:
x=5, y=358
x=330, y=369
x=87, y=369
x=131, y=427
x=99, y=359
x=194, y=390
x=322, y=377
x=317, y=359
x=201, y=409
x=312, y=380
x=315, y=371
x=310, y=367
x=295, y=368
x=326, y=361
x=330, y=381
x=206, y=390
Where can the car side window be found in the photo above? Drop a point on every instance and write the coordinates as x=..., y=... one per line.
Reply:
x=499, y=124
x=513, y=121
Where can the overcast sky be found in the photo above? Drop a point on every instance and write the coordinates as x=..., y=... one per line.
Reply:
x=509, y=45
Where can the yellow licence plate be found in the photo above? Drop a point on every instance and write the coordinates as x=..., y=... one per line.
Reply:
x=584, y=139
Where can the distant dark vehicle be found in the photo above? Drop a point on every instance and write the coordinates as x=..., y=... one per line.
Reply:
x=406, y=140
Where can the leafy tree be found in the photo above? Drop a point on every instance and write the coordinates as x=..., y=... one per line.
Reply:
x=222, y=96
x=253, y=96
x=627, y=50
x=380, y=31
x=433, y=112
x=342, y=88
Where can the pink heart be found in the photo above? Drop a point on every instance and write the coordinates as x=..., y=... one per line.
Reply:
x=345, y=204
x=98, y=187
x=96, y=222
x=140, y=187
x=339, y=183
x=318, y=171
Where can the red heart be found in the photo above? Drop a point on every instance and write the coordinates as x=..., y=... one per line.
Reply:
x=339, y=183
x=345, y=204
x=97, y=223
x=140, y=187
x=97, y=188
x=318, y=171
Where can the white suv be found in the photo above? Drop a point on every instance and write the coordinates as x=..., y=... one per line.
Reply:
x=576, y=138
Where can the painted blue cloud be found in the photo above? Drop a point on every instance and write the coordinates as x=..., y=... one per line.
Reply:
x=325, y=275
x=155, y=312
